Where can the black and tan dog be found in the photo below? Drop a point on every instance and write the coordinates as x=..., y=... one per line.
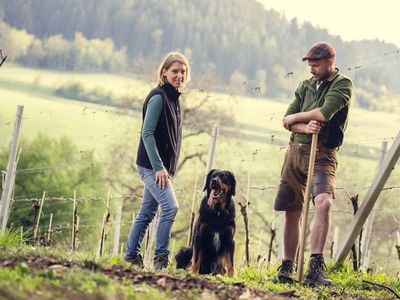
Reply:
x=213, y=246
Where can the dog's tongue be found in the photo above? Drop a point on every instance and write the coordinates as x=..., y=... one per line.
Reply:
x=210, y=199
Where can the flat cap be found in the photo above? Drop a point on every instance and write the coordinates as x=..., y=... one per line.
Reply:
x=318, y=51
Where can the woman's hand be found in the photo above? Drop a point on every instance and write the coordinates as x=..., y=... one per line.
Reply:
x=162, y=178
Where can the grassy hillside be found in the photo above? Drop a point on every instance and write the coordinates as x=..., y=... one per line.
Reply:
x=254, y=116
x=44, y=273
x=88, y=125
x=253, y=147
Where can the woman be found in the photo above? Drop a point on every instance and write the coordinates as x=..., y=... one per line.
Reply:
x=157, y=159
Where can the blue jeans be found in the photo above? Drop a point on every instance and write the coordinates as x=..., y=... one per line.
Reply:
x=153, y=196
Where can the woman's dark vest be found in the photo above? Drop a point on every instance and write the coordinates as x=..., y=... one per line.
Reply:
x=168, y=133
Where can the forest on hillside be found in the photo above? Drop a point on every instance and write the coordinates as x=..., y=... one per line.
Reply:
x=236, y=44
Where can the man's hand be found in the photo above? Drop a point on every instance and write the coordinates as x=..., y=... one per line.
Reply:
x=313, y=127
x=289, y=121
x=303, y=117
x=162, y=178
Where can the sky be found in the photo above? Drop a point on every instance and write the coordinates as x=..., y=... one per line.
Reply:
x=350, y=19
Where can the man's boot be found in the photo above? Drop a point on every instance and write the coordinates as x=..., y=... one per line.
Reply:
x=286, y=270
x=316, y=272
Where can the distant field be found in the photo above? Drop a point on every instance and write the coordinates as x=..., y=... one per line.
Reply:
x=254, y=116
x=88, y=125
x=253, y=147
x=120, y=85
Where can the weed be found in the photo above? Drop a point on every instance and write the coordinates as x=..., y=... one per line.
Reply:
x=10, y=238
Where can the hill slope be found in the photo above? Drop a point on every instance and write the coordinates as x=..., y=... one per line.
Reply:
x=228, y=41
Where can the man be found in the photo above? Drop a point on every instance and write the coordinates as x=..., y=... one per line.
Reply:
x=320, y=106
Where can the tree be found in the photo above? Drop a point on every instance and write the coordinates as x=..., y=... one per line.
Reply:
x=57, y=49
x=35, y=54
x=59, y=168
x=225, y=37
x=14, y=42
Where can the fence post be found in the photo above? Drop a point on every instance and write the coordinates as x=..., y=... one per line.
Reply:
x=3, y=178
x=147, y=240
x=147, y=259
x=192, y=213
x=271, y=242
x=369, y=200
x=35, y=231
x=211, y=151
x=281, y=234
x=354, y=202
x=14, y=173
x=122, y=249
x=11, y=169
x=74, y=219
x=335, y=240
x=117, y=229
x=106, y=218
x=210, y=162
x=243, y=210
x=35, y=206
x=48, y=238
x=246, y=220
x=77, y=225
x=173, y=246
x=368, y=225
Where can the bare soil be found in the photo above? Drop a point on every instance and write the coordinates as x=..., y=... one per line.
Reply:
x=177, y=285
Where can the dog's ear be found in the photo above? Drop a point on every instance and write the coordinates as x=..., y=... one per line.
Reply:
x=208, y=179
x=233, y=183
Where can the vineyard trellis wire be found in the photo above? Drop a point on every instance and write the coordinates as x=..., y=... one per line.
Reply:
x=253, y=155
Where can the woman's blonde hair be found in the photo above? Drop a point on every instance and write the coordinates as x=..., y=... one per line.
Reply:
x=168, y=61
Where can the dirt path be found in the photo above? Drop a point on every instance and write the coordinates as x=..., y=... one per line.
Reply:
x=179, y=286
x=208, y=289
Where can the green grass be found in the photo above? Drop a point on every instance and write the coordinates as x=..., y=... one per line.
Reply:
x=27, y=281
x=10, y=238
x=23, y=283
x=345, y=283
